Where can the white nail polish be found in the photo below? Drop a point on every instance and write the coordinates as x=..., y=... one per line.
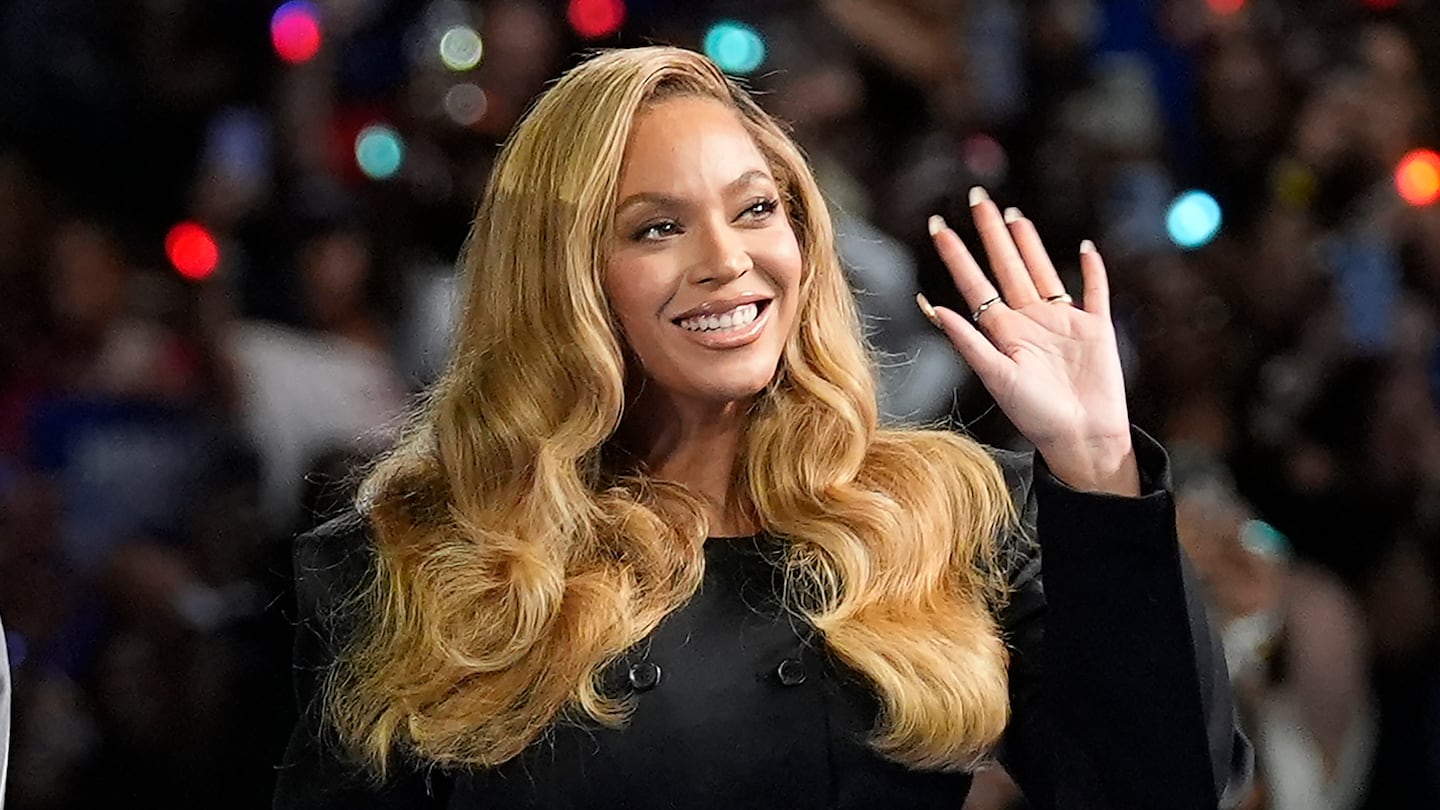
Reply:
x=1012, y=216
x=926, y=308
x=1087, y=246
x=936, y=224
x=977, y=196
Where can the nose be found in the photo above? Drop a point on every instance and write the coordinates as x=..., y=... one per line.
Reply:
x=725, y=257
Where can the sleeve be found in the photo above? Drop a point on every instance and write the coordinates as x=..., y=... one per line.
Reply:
x=1119, y=692
x=330, y=564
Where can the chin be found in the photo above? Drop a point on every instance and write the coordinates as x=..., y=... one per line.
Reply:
x=739, y=385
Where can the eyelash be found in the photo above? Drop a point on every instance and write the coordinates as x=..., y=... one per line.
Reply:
x=766, y=207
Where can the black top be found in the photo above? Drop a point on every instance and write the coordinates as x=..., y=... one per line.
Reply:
x=1119, y=693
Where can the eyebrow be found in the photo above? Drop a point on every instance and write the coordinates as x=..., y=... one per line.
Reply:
x=745, y=179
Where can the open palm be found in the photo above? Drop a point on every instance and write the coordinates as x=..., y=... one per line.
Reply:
x=1053, y=367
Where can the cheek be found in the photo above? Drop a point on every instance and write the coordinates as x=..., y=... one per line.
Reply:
x=781, y=253
x=636, y=293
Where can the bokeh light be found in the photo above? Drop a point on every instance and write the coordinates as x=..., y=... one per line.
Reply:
x=1193, y=219
x=985, y=159
x=1225, y=7
x=461, y=48
x=379, y=151
x=192, y=250
x=593, y=19
x=1418, y=177
x=295, y=31
x=466, y=104
x=735, y=47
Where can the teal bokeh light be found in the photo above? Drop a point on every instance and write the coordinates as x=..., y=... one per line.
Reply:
x=735, y=47
x=1193, y=220
x=379, y=151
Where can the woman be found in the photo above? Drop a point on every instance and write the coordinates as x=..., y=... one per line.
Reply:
x=645, y=546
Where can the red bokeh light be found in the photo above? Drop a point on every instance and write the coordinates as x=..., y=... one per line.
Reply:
x=1381, y=5
x=593, y=19
x=1225, y=7
x=295, y=32
x=192, y=250
x=1418, y=177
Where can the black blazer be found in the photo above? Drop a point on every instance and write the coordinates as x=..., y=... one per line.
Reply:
x=1119, y=693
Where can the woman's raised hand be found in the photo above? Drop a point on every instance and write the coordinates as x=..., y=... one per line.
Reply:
x=1052, y=366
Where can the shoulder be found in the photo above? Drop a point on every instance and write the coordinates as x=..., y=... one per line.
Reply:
x=1019, y=553
x=1018, y=467
x=332, y=564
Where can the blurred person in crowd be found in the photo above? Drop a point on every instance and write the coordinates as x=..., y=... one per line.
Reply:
x=1296, y=643
x=305, y=391
x=1243, y=105
x=1184, y=367
x=49, y=638
x=343, y=288
x=99, y=345
x=1352, y=483
x=650, y=493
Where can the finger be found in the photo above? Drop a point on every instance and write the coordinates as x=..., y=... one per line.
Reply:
x=988, y=362
x=1097, y=283
x=1032, y=250
x=968, y=278
x=1005, y=260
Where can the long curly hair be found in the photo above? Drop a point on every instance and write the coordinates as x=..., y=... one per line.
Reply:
x=516, y=557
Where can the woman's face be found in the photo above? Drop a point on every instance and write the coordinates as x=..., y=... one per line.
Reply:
x=704, y=271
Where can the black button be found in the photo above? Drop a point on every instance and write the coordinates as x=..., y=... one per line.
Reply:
x=644, y=676
x=791, y=672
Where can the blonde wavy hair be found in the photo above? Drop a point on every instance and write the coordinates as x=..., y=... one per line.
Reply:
x=516, y=557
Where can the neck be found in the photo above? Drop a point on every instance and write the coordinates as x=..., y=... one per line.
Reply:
x=696, y=445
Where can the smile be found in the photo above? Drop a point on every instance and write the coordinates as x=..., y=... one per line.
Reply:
x=730, y=329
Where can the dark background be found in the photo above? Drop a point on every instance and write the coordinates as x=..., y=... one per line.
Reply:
x=163, y=437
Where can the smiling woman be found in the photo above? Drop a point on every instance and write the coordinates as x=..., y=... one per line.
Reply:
x=646, y=545
x=704, y=272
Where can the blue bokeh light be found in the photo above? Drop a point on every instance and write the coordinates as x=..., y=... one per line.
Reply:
x=735, y=47
x=1193, y=220
x=379, y=151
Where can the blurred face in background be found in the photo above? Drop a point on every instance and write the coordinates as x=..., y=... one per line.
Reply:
x=1394, y=98
x=521, y=52
x=336, y=269
x=705, y=267
x=89, y=279
x=1244, y=93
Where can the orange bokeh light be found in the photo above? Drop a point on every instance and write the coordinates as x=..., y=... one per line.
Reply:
x=1418, y=177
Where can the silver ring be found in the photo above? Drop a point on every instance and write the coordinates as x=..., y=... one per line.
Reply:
x=1062, y=298
x=980, y=310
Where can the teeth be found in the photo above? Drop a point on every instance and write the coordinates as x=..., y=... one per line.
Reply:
x=742, y=315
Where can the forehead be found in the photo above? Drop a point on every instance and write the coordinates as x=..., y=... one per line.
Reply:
x=687, y=141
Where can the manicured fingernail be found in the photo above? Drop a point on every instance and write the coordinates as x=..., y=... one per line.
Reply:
x=1012, y=216
x=1087, y=246
x=936, y=224
x=926, y=308
x=977, y=196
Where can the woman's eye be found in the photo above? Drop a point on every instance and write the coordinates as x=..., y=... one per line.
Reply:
x=658, y=230
x=761, y=209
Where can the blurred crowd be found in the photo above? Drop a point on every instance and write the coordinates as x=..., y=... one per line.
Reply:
x=175, y=404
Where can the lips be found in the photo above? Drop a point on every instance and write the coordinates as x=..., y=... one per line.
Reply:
x=722, y=306
x=733, y=338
